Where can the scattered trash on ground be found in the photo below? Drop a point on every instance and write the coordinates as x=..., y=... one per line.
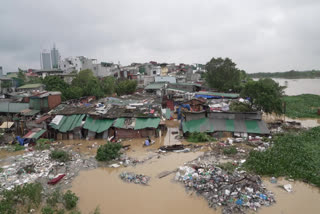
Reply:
x=37, y=166
x=236, y=192
x=131, y=177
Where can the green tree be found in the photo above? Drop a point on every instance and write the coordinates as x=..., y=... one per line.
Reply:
x=126, y=87
x=21, y=77
x=73, y=92
x=89, y=83
x=55, y=83
x=108, y=85
x=223, y=75
x=265, y=95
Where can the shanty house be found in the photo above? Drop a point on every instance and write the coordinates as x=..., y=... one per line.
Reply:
x=240, y=124
x=45, y=101
x=31, y=87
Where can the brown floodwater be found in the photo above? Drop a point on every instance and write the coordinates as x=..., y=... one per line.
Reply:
x=102, y=187
x=304, y=198
x=305, y=122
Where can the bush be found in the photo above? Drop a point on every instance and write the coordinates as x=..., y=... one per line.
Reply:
x=230, y=150
x=18, y=147
x=108, y=151
x=197, y=137
x=60, y=155
x=42, y=144
x=47, y=210
x=304, y=105
x=54, y=198
x=240, y=107
x=19, y=196
x=70, y=200
x=295, y=155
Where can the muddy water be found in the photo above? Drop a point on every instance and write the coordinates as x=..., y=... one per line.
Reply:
x=304, y=199
x=103, y=188
x=305, y=122
x=300, y=86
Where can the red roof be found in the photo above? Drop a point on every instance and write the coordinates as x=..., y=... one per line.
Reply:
x=43, y=118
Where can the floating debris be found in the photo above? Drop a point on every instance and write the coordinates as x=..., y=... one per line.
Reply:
x=131, y=177
x=236, y=192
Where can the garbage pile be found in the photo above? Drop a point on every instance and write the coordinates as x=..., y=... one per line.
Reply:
x=236, y=192
x=38, y=166
x=131, y=177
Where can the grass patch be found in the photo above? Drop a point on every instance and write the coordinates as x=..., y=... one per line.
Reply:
x=230, y=150
x=305, y=105
x=296, y=155
x=108, y=151
x=18, y=147
x=199, y=137
x=60, y=155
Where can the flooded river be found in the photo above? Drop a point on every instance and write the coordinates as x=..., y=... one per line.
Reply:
x=300, y=86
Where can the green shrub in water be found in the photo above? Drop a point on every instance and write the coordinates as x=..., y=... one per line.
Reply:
x=60, y=155
x=108, y=151
x=197, y=137
x=70, y=200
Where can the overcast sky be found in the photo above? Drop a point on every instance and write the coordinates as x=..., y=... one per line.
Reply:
x=258, y=35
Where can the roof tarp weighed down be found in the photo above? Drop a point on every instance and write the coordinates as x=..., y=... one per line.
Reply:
x=97, y=126
x=68, y=123
x=142, y=123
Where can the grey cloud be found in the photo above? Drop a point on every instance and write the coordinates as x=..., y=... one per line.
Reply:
x=260, y=36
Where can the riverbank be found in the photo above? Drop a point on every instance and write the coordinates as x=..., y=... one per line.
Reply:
x=302, y=106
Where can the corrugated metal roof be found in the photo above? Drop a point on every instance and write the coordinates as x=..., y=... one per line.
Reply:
x=155, y=86
x=35, y=133
x=29, y=112
x=142, y=123
x=13, y=107
x=68, y=123
x=217, y=94
x=28, y=86
x=212, y=125
x=97, y=125
x=6, y=125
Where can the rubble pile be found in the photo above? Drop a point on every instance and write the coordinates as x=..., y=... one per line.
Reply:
x=131, y=177
x=236, y=192
x=38, y=166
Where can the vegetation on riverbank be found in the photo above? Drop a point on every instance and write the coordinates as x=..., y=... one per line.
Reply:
x=108, y=151
x=296, y=155
x=302, y=106
x=199, y=137
x=288, y=75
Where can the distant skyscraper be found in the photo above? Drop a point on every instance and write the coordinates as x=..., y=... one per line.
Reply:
x=1, y=71
x=45, y=60
x=55, y=57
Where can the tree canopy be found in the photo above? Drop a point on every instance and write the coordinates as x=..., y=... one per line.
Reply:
x=223, y=75
x=265, y=95
x=86, y=84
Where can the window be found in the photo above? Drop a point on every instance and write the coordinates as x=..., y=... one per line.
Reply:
x=154, y=72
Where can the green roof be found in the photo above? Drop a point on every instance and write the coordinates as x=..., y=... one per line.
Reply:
x=13, y=107
x=186, y=83
x=68, y=123
x=12, y=75
x=209, y=93
x=27, y=86
x=155, y=86
x=36, y=136
x=98, y=126
x=31, y=112
x=142, y=123
x=225, y=125
x=119, y=122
